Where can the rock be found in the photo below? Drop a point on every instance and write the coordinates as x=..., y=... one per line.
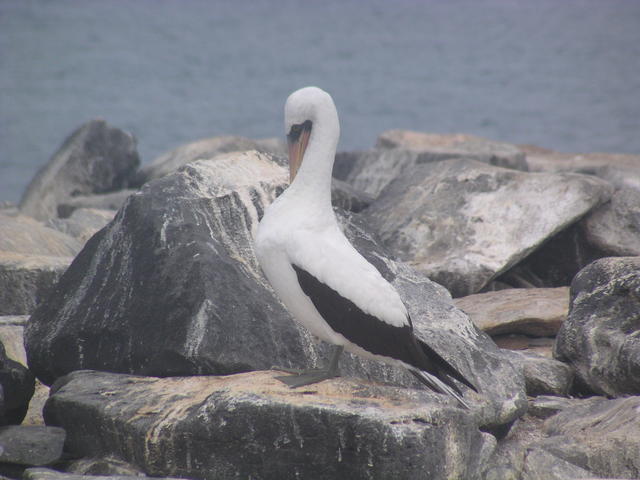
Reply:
x=543, y=376
x=105, y=201
x=541, y=345
x=204, y=149
x=26, y=279
x=463, y=223
x=600, y=336
x=12, y=337
x=17, y=385
x=96, y=158
x=252, y=426
x=545, y=406
x=103, y=466
x=83, y=222
x=33, y=446
x=601, y=436
x=542, y=160
x=49, y=474
x=172, y=287
x=614, y=227
x=22, y=234
x=538, y=312
x=347, y=197
x=434, y=147
x=542, y=465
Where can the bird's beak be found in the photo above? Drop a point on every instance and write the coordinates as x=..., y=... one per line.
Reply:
x=298, y=142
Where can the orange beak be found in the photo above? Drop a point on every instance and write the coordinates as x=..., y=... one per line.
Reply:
x=298, y=140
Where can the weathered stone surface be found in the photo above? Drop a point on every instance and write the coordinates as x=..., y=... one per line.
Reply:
x=83, y=222
x=348, y=198
x=17, y=385
x=602, y=437
x=172, y=287
x=614, y=227
x=103, y=466
x=49, y=474
x=464, y=222
x=96, y=158
x=540, y=345
x=31, y=445
x=542, y=465
x=530, y=311
x=104, y=201
x=434, y=147
x=26, y=279
x=600, y=336
x=543, y=376
x=543, y=160
x=545, y=406
x=22, y=234
x=12, y=337
x=204, y=149
x=252, y=426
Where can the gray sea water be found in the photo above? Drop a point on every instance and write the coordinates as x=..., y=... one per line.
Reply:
x=563, y=74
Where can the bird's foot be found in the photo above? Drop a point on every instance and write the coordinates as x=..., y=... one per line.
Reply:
x=306, y=377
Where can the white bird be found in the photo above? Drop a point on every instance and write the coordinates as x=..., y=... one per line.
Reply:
x=324, y=282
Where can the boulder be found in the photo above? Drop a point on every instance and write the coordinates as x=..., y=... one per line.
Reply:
x=83, y=222
x=600, y=436
x=172, y=287
x=204, y=149
x=20, y=234
x=31, y=445
x=614, y=227
x=26, y=279
x=600, y=336
x=543, y=375
x=538, y=312
x=96, y=158
x=50, y=474
x=348, y=198
x=463, y=222
x=543, y=160
x=17, y=385
x=252, y=426
x=103, y=201
x=434, y=147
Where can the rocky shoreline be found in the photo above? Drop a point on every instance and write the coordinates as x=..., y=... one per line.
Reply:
x=137, y=331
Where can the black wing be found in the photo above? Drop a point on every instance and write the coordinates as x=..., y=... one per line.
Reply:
x=373, y=334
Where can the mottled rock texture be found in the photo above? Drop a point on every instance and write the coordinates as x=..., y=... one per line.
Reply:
x=96, y=158
x=102, y=201
x=252, y=426
x=204, y=149
x=600, y=336
x=543, y=376
x=530, y=311
x=172, y=287
x=17, y=385
x=442, y=217
x=31, y=445
x=83, y=222
x=26, y=279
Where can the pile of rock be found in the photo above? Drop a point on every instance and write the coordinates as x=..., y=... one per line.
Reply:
x=156, y=329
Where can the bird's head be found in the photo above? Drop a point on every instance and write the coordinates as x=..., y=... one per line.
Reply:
x=309, y=116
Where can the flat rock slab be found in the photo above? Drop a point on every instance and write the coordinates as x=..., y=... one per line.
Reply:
x=31, y=445
x=96, y=158
x=600, y=336
x=49, y=474
x=25, y=280
x=252, y=426
x=543, y=375
x=464, y=222
x=20, y=234
x=537, y=312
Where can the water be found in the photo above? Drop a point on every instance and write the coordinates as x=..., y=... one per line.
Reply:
x=560, y=74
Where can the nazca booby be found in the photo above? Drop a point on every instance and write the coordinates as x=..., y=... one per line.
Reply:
x=324, y=282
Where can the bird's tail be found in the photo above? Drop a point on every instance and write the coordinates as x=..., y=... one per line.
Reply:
x=445, y=369
x=439, y=386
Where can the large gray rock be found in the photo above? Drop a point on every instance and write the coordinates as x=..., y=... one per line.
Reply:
x=252, y=426
x=614, y=228
x=17, y=385
x=26, y=279
x=601, y=436
x=204, y=149
x=83, y=222
x=96, y=158
x=172, y=287
x=600, y=336
x=31, y=445
x=463, y=222
x=537, y=312
x=543, y=376
x=22, y=234
x=103, y=201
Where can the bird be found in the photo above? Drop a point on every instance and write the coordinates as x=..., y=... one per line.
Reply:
x=325, y=283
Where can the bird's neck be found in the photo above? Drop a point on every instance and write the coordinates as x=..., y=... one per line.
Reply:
x=312, y=183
